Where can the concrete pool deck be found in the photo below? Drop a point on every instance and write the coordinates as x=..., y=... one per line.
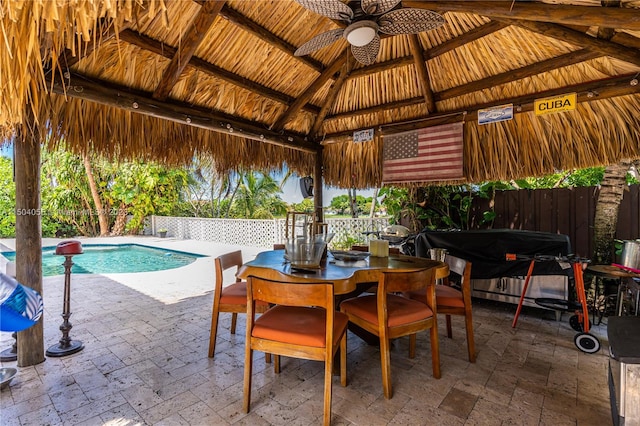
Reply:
x=145, y=363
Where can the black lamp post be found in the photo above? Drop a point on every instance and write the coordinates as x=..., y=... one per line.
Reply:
x=66, y=346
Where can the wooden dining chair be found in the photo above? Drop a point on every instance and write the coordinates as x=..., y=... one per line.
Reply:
x=232, y=298
x=453, y=301
x=303, y=323
x=390, y=316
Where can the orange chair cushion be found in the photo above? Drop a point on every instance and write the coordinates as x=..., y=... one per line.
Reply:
x=236, y=294
x=445, y=296
x=298, y=325
x=449, y=297
x=400, y=310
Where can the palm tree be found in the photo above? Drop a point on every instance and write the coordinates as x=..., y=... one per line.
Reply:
x=606, y=216
x=257, y=196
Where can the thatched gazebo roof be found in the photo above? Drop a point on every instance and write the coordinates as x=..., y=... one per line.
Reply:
x=167, y=79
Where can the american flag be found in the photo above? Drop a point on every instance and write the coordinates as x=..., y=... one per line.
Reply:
x=432, y=153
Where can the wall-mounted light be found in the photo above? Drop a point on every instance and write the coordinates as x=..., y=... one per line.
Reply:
x=135, y=105
x=519, y=108
x=590, y=95
x=188, y=120
x=634, y=82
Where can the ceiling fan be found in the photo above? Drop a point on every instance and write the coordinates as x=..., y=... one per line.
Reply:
x=365, y=19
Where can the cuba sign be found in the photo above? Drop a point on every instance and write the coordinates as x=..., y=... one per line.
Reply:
x=555, y=104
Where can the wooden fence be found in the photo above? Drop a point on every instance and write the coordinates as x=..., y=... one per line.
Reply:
x=562, y=211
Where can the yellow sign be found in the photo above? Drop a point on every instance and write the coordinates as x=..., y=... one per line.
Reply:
x=555, y=104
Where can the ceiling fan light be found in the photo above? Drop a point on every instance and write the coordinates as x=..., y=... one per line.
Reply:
x=361, y=33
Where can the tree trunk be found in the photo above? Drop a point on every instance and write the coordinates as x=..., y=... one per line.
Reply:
x=353, y=203
x=372, y=213
x=121, y=221
x=103, y=218
x=235, y=191
x=606, y=217
x=28, y=233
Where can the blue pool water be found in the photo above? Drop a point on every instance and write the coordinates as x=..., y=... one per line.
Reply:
x=113, y=258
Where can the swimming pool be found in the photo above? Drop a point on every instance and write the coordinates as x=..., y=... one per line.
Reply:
x=113, y=258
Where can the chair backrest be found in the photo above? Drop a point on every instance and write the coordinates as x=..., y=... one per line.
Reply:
x=224, y=262
x=391, y=281
x=460, y=267
x=278, y=246
x=288, y=292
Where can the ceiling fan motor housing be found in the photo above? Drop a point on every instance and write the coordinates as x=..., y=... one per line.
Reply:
x=361, y=33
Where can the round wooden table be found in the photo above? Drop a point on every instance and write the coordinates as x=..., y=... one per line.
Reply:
x=344, y=275
x=614, y=273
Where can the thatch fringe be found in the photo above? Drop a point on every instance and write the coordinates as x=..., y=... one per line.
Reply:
x=82, y=126
x=31, y=37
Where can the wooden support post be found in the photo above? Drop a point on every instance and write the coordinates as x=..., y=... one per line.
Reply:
x=28, y=236
x=317, y=186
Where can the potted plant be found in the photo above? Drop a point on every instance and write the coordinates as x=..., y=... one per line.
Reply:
x=162, y=232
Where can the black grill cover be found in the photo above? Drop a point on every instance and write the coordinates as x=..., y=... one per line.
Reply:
x=487, y=250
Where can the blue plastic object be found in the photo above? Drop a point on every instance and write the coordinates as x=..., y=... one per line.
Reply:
x=20, y=306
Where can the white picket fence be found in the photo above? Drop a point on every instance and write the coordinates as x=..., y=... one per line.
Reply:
x=255, y=232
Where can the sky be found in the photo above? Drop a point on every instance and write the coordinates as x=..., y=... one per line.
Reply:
x=291, y=190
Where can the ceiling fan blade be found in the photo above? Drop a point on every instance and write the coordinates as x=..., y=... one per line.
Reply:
x=319, y=41
x=409, y=21
x=333, y=9
x=378, y=7
x=368, y=53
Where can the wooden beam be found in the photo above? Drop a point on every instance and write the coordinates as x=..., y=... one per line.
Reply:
x=587, y=92
x=109, y=94
x=560, y=32
x=468, y=37
x=331, y=96
x=621, y=18
x=604, y=32
x=267, y=36
x=627, y=40
x=189, y=43
x=28, y=230
x=378, y=108
x=422, y=72
x=438, y=50
x=167, y=51
x=567, y=59
x=485, y=83
x=308, y=93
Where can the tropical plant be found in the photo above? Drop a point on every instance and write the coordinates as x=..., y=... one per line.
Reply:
x=7, y=199
x=73, y=205
x=66, y=196
x=257, y=198
x=142, y=189
x=305, y=205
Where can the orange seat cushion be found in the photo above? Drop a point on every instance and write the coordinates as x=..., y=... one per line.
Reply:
x=236, y=294
x=445, y=296
x=298, y=325
x=401, y=310
x=449, y=296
